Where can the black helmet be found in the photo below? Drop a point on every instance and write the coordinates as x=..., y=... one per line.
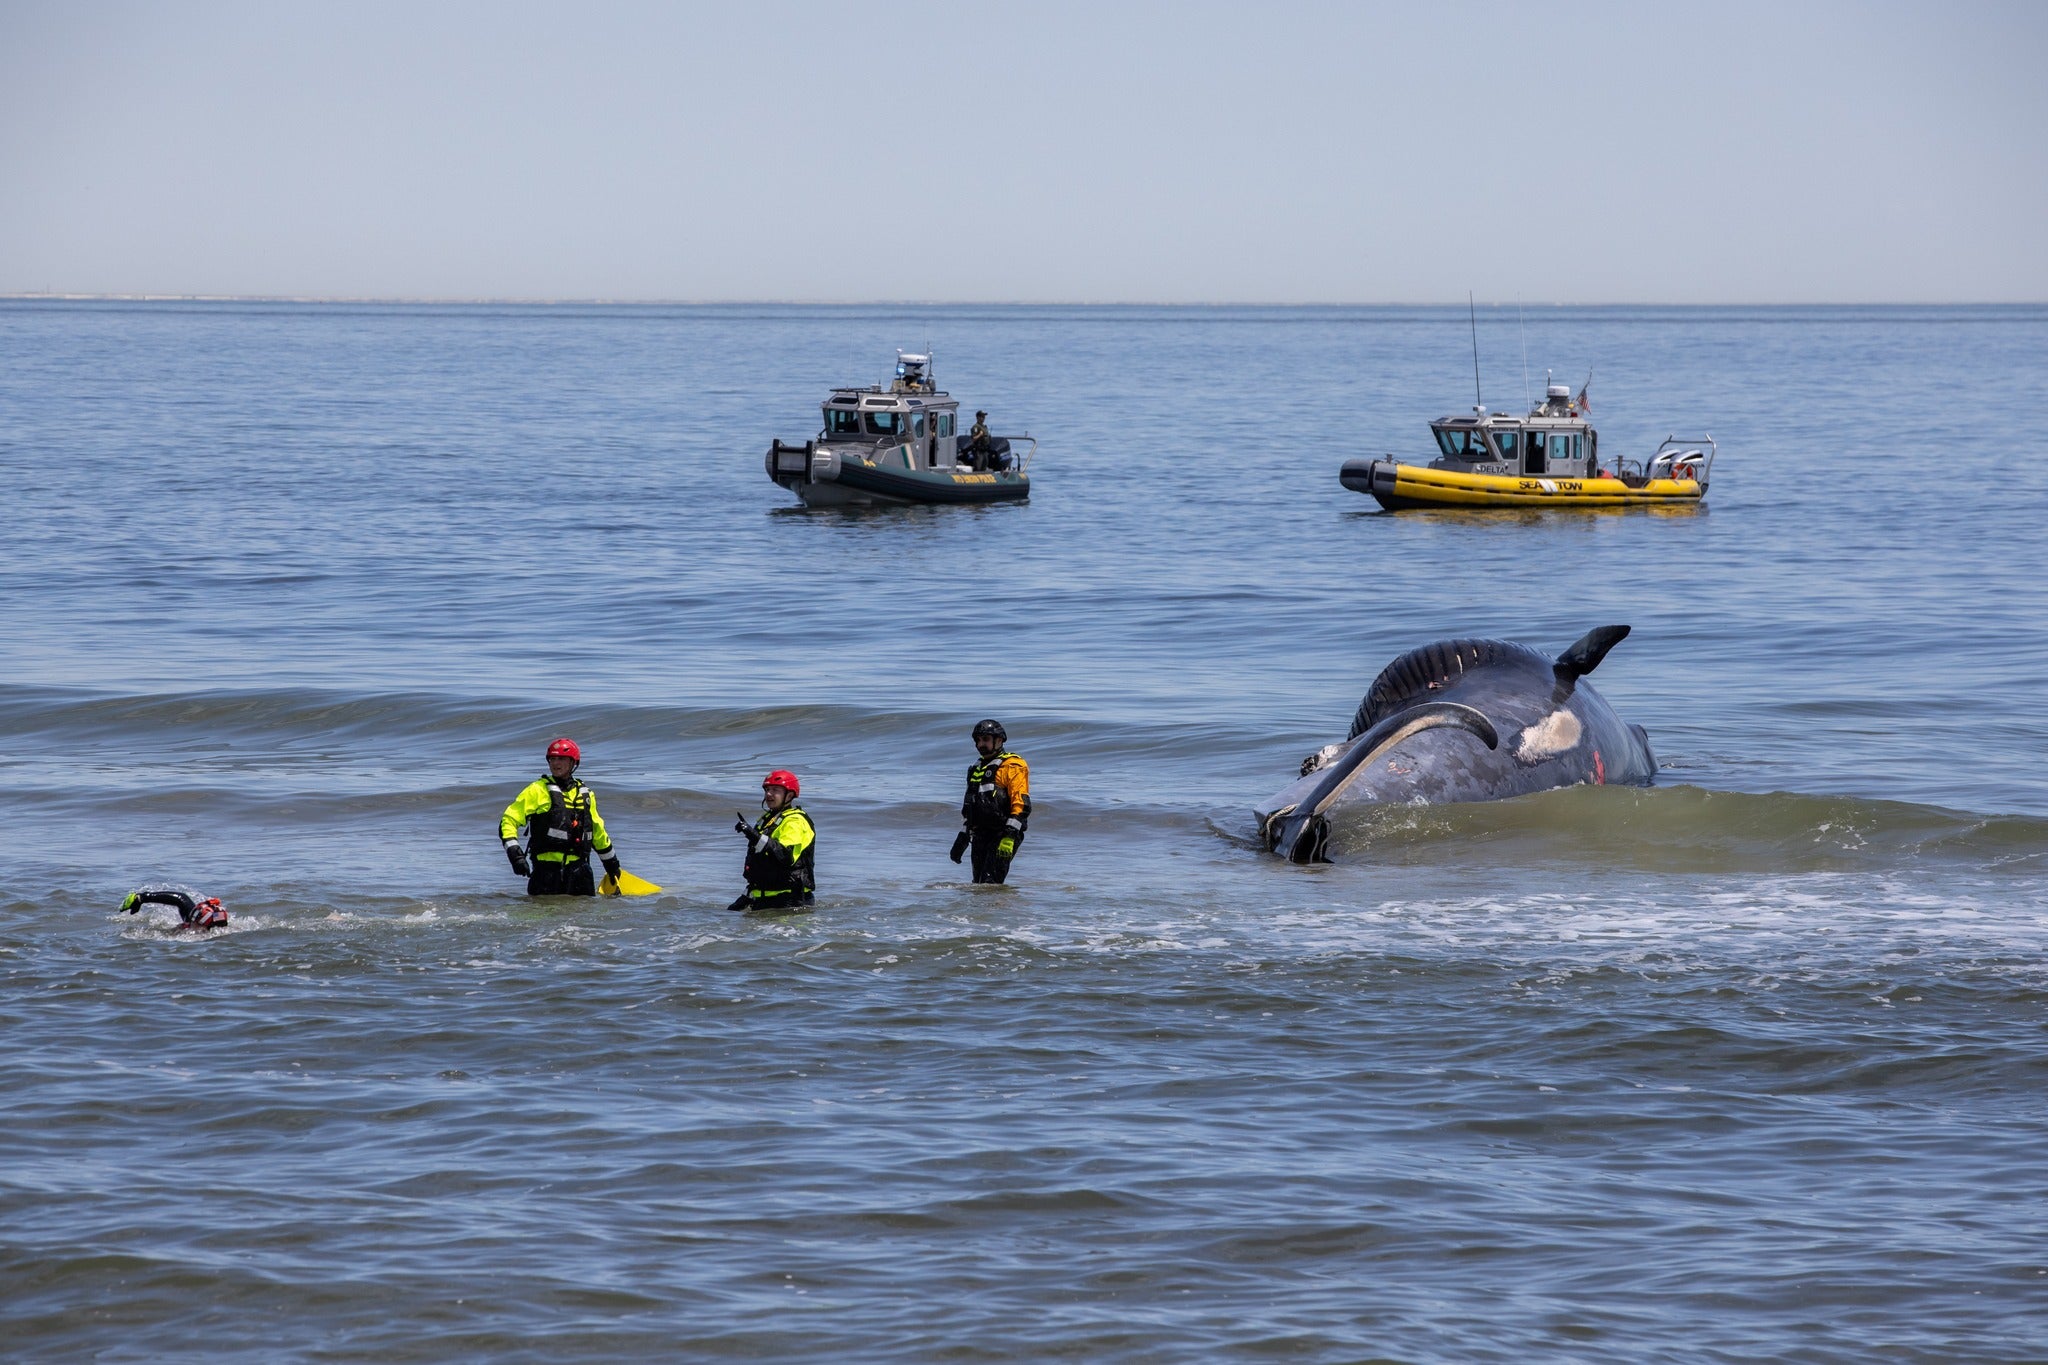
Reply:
x=991, y=728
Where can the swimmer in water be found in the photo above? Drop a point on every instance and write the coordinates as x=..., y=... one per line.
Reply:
x=193, y=911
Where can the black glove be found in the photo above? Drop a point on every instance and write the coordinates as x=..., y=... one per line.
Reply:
x=960, y=843
x=611, y=864
x=746, y=830
x=519, y=863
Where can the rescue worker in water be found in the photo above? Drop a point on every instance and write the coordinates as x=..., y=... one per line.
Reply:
x=195, y=912
x=997, y=807
x=780, y=845
x=563, y=829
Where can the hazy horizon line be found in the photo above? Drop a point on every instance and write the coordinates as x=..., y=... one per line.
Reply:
x=72, y=296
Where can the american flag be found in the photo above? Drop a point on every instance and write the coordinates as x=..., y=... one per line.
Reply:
x=1580, y=402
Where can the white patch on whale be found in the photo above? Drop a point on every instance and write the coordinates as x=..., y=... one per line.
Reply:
x=1547, y=738
x=1323, y=757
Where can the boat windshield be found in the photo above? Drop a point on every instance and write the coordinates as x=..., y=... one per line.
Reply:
x=1463, y=443
x=840, y=422
x=885, y=423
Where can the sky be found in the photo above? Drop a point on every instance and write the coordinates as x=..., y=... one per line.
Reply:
x=1112, y=151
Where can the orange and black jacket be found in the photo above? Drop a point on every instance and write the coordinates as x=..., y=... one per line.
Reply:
x=998, y=793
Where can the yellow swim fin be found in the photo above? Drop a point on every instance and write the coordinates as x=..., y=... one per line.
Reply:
x=626, y=884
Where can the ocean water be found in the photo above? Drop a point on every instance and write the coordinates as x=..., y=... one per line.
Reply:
x=1750, y=1064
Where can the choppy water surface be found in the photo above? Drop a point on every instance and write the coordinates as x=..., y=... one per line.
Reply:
x=1750, y=1064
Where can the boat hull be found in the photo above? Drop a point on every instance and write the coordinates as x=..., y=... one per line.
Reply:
x=880, y=484
x=1397, y=486
x=834, y=478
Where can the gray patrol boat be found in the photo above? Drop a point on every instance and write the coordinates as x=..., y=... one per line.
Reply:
x=899, y=445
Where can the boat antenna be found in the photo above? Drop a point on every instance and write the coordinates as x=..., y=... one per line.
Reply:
x=1471, y=310
x=1527, y=401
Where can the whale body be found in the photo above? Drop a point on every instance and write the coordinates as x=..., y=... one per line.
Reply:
x=1464, y=720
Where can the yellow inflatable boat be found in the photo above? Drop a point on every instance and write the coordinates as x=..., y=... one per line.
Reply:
x=1550, y=458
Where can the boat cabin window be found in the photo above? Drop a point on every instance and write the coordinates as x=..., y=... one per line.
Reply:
x=885, y=423
x=917, y=426
x=1506, y=440
x=1463, y=443
x=945, y=420
x=840, y=422
x=1558, y=451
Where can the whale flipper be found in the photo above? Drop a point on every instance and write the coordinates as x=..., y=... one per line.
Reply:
x=1588, y=650
x=1301, y=832
x=1582, y=658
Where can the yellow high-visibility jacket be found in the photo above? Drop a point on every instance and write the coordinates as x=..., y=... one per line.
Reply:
x=538, y=800
x=786, y=867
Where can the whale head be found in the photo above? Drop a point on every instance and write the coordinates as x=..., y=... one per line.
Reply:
x=1463, y=720
x=1300, y=831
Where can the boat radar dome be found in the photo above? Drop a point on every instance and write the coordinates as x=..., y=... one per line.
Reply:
x=913, y=372
x=1558, y=391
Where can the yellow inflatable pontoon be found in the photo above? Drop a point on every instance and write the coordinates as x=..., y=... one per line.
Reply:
x=1398, y=485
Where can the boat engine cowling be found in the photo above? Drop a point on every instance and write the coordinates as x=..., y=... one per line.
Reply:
x=790, y=465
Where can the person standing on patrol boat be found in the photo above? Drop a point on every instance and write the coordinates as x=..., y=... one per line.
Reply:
x=997, y=806
x=779, y=868
x=563, y=830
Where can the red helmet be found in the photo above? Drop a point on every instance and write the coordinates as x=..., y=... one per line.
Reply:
x=565, y=748
x=782, y=777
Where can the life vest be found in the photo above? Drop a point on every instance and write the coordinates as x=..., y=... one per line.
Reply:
x=767, y=871
x=564, y=827
x=986, y=805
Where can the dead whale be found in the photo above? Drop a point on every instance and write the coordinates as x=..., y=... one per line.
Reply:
x=1464, y=720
